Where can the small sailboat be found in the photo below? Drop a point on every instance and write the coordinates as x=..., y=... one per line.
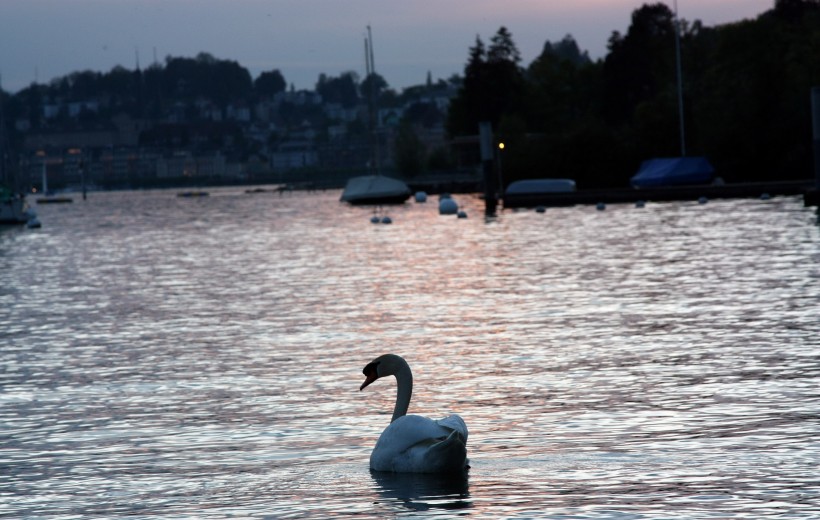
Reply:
x=47, y=198
x=374, y=188
x=13, y=207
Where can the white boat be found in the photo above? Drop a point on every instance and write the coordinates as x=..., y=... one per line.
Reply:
x=13, y=208
x=375, y=189
x=532, y=192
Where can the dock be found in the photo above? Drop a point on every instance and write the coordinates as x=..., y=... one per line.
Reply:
x=664, y=194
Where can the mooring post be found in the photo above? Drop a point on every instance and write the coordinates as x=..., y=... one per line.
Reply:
x=485, y=136
x=812, y=196
x=815, y=124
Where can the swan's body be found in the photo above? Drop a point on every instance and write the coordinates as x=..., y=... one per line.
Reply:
x=412, y=443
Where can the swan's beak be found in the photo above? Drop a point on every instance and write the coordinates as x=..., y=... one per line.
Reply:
x=371, y=374
x=367, y=381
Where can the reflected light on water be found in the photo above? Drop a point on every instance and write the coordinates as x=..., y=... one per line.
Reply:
x=202, y=358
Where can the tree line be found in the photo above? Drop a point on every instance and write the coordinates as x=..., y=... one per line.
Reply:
x=180, y=85
x=745, y=89
x=746, y=92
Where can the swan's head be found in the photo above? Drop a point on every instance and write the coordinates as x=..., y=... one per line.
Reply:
x=385, y=365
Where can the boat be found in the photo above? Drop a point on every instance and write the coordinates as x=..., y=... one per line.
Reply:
x=49, y=197
x=375, y=189
x=192, y=194
x=531, y=192
x=13, y=207
x=684, y=170
x=673, y=171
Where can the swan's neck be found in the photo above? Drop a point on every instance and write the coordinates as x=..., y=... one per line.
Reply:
x=404, y=389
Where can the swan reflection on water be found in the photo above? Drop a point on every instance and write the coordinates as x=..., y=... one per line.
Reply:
x=424, y=491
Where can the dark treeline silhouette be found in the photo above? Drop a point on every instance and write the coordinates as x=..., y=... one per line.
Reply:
x=180, y=96
x=746, y=89
x=149, y=92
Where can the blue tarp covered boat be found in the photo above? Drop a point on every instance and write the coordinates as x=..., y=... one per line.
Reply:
x=674, y=171
x=530, y=192
x=540, y=186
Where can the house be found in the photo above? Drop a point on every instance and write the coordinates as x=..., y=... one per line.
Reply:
x=294, y=155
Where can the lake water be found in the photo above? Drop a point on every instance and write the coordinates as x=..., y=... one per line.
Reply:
x=201, y=358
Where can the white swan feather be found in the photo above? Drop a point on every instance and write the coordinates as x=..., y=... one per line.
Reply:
x=412, y=443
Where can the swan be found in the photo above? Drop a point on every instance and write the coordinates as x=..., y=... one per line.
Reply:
x=412, y=443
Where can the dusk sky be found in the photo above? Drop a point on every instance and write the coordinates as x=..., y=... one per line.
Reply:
x=44, y=39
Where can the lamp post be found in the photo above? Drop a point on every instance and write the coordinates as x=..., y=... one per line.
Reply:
x=500, y=170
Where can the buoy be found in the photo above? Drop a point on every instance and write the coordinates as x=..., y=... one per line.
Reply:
x=447, y=207
x=765, y=196
x=375, y=219
x=387, y=220
x=421, y=196
x=703, y=200
x=640, y=204
x=462, y=214
x=540, y=209
x=600, y=206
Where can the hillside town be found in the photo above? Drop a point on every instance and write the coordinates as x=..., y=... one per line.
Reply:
x=285, y=136
x=665, y=88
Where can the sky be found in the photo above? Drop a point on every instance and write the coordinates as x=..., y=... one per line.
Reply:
x=44, y=39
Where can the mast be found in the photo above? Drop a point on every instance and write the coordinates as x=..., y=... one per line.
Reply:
x=44, y=174
x=370, y=74
x=680, y=82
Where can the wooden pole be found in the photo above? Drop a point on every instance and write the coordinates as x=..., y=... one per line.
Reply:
x=812, y=196
x=485, y=134
x=815, y=123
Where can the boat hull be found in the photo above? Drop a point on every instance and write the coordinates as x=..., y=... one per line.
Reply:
x=375, y=189
x=13, y=211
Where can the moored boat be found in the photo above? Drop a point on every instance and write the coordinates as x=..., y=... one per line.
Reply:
x=531, y=192
x=13, y=208
x=375, y=189
x=193, y=194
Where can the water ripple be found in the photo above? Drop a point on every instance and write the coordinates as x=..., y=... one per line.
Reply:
x=202, y=358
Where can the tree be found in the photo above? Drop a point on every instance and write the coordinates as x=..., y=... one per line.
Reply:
x=373, y=86
x=493, y=85
x=205, y=76
x=409, y=151
x=342, y=89
x=502, y=48
x=464, y=113
x=269, y=83
x=795, y=9
x=641, y=63
x=562, y=86
x=566, y=50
